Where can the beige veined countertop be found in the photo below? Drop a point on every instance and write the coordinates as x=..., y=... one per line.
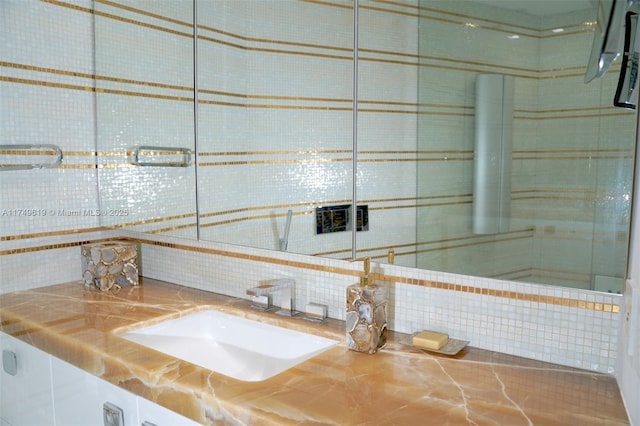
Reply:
x=400, y=385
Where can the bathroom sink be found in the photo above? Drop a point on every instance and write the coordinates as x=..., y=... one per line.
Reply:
x=236, y=347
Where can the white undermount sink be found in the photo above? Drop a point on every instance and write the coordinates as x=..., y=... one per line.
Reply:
x=236, y=347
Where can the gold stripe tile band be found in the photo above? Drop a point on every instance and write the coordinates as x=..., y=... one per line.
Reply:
x=534, y=298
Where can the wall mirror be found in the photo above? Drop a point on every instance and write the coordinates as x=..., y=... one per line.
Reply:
x=145, y=115
x=274, y=131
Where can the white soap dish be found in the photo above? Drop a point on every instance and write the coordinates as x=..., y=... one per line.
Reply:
x=452, y=347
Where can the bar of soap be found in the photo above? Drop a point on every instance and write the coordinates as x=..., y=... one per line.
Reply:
x=430, y=340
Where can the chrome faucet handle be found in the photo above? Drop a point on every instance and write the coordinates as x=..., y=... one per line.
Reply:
x=315, y=312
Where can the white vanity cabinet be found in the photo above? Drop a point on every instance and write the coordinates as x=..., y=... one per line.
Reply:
x=26, y=396
x=155, y=414
x=79, y=397
x=43, y=382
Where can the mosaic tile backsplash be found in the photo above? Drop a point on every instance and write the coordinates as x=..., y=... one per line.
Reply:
x=566, y=326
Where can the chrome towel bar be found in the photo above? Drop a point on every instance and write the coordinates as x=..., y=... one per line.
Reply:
x=13, y=150
x=185, y=153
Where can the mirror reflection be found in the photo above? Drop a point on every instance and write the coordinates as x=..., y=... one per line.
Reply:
x=569, y=157
x=281, y=156
x=275, y=92
x=145, y=109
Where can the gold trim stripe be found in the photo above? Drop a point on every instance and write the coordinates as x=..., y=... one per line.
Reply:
x=156, y=220
x=559, y=151
x=272, y=41
x=577, y=157
x=506, y=294
x=418, y=106
x=46, y=234
x=123, y=19
x=384, y=152
x=237, y=220
x=326, y=3
x=278, y=152
x=143, y=24
x=100, y=228
x=277, y=97
x=563, y=117
x=283, y=161
x=244, y=256
x=275, y=207
x=46, y=84
x=466, y=245
x=483, y=239
x=27, y=67
x=473, y=21
x=572, y=303
x=551, y=300
x=144, y=12
x=310, y=45
x=273, y=106
x=93, y=89
x=68, y=5
x=416, y=156
x=49, y=247
x=280, y=51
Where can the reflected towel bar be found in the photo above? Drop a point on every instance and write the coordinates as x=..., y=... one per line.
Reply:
x=31, y=147
x=184, y=152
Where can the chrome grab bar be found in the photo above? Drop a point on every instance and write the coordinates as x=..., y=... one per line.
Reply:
x=184, y=152
x=31, y=147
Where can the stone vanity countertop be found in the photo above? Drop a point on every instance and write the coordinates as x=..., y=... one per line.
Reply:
x=399, y=385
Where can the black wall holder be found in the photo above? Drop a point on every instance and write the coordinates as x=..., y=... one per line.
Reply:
x=338, y=218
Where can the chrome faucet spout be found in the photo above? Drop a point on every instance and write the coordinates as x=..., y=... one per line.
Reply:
x=282, y=290
x=261, y=290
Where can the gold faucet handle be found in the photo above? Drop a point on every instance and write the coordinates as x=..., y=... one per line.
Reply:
x=364, y=280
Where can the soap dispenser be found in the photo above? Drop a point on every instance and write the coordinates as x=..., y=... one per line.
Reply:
x=366, y=313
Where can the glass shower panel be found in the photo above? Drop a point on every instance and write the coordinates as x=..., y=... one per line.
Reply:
x=612, y=196
x=145, y=109
x=274, y=122
x=572, y=153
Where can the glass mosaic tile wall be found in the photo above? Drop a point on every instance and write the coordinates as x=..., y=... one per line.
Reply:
x=274, y=120
x=572, y=160
x=145, y=98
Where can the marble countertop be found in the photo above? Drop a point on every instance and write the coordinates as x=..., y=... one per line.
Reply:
x=399, y=385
